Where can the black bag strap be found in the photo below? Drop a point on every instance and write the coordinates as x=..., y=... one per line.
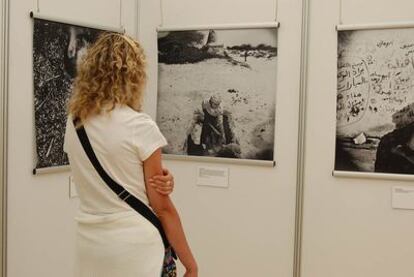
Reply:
x=119, y=190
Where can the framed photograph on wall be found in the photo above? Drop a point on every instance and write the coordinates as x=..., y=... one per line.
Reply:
x=58, y=48
x=216, y=92
x=375, y=101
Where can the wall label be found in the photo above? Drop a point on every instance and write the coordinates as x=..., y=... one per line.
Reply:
x=213, y=177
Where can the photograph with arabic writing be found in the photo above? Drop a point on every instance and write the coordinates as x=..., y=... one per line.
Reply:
x=375, y=101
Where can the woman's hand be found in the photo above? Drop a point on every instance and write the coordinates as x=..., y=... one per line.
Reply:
x=163, y=184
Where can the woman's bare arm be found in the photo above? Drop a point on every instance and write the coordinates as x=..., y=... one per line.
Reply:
x=168, y=215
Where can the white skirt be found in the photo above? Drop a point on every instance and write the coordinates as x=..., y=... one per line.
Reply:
x=117, y=245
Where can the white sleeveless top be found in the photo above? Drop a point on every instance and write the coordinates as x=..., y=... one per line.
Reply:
x=112, y=239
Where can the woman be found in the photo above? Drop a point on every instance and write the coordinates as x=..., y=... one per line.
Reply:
x=112, y=239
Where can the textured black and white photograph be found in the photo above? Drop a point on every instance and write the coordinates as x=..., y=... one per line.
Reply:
x=57, y=49
x=216, y=92
x=375, y=101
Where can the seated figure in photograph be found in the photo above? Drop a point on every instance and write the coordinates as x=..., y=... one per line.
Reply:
x=395, y=153
x=212, y=133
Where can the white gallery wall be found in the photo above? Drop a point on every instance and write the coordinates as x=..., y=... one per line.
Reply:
x=350, y=228
x=246, y=229
x=41, y=229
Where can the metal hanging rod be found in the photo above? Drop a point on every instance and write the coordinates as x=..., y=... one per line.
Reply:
x=221, y=26
x=77, y=23
x=374, y=26
x=373, y=175
x=220, y=160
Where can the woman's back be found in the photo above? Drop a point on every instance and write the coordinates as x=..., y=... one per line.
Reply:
x=122, y=140
x=111, y=237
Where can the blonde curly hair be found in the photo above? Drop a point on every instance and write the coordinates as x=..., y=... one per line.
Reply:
x=111, y=73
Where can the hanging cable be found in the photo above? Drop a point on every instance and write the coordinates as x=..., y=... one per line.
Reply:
x=37, y=6
x=340, y=12
x=161, y=13
x=137, y=19
x=120, y=14
x=276, y=9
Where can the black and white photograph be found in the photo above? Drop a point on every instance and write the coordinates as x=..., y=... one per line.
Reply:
x=375, y=101
x=216, y=92
x=57, y=50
